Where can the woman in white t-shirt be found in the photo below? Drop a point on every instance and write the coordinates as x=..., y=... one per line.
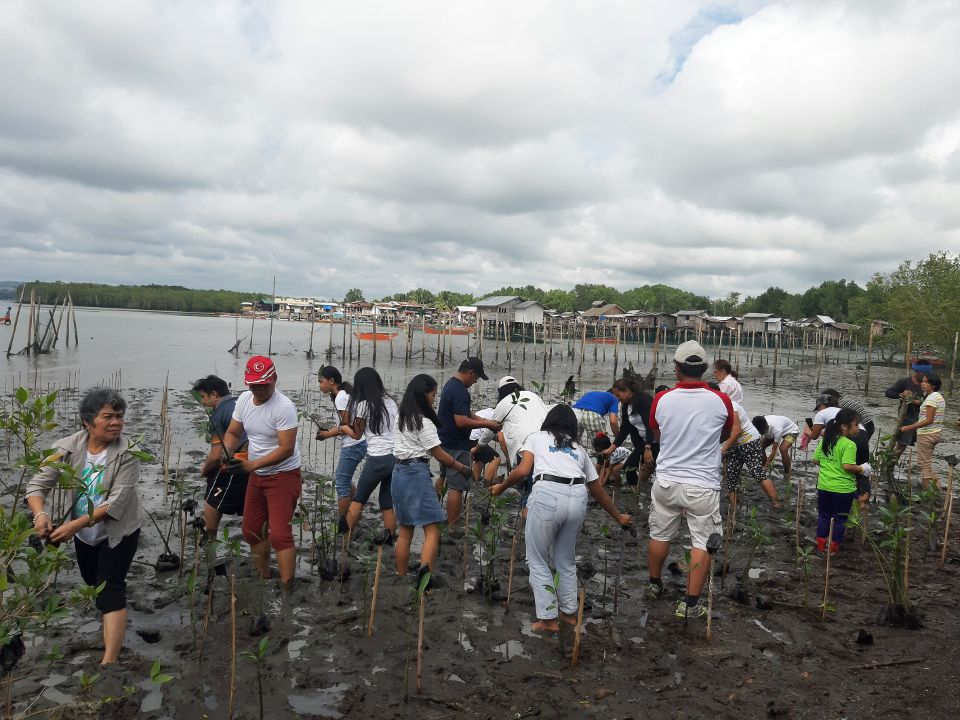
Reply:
x=562, y=474
x=414, y=497
x=727, y=377
x=929, y=428
x=374, y=419
x=352, y=451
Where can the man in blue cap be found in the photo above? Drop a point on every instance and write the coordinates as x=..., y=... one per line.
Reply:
x=908, y=390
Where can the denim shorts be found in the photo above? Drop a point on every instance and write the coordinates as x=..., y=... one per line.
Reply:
x=414, y=497
x=377, y=471
x=350, y=458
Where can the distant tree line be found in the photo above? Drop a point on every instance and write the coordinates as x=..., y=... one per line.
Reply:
x=143, y=297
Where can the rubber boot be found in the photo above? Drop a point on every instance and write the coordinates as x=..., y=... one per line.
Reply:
x=821, y=544
x=834, y=547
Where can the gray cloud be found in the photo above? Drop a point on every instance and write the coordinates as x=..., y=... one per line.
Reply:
x=469, y=145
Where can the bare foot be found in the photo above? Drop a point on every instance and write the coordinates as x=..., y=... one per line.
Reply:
x=545, y=626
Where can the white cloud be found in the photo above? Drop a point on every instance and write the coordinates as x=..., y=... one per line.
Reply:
x=715, y=147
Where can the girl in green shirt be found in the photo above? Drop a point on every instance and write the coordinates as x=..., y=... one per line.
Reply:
x=837, y=483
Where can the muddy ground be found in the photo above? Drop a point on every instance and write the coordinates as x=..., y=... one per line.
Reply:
x=483, y=662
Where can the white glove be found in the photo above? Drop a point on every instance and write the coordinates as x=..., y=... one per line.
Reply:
x=866, y=469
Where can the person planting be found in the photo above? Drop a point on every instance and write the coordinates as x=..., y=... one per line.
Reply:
x=352, y=450
x=779, y=433
x=690, y=420
x=837, y=480
x=746, y=449
x=269, y=420
x=929, y=427
x=563, y=474
x=374, y=419
x=635, y=413
x=105, y=515
x=226, y=489
x=414, y=499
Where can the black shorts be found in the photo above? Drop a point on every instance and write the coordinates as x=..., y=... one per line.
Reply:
x=102, y=564
x=484, y=454
x=226, y=491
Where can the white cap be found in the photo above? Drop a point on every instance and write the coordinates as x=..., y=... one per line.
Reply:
x=507, y=380
x=690, y=353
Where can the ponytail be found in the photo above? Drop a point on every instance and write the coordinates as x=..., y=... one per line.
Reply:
x=831, y=431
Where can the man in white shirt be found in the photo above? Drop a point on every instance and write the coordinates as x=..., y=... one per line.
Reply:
x=690, y=420
x=270, y=421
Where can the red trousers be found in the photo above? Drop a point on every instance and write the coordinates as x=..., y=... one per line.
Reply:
x=269, y=506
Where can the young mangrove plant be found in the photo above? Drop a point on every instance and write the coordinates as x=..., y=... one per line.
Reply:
x=889, y=551
x=256, y=656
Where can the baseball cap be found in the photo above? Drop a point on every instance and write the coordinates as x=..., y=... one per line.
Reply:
x=476, y=365
x=822, y=399
x=507, y=380
x=260, y=370
x=690, y=353
x=922, y=366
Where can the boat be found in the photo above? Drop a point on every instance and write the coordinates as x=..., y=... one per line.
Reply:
x=451, y=330
x=375, y=335
x=602, y=341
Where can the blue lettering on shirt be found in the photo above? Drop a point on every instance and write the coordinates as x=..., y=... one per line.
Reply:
x=569, y=451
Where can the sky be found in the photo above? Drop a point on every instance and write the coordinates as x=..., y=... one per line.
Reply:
x=715, y=147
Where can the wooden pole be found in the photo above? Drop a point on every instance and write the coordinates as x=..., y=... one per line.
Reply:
x=776, y=358
x=376, y=585
x=953, y=362
x=826, y=576
x=420, y=643
x=866, y=380
x=583, y=346
x=273, y=311
x=16, y=319
x=946, y=525
x=579, y=630
x=906, y=354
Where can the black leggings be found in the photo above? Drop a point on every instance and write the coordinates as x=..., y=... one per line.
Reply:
x=101, y=563
x=634, y=461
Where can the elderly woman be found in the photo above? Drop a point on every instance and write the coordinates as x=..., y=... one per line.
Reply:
x=105, y=516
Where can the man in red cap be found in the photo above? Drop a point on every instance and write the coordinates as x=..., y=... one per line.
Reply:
x=269, y=419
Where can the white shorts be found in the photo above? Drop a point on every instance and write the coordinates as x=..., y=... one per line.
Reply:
x=670, y=500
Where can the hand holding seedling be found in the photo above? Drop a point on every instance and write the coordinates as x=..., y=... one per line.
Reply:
x=42, y=525
x=68, y=529
x=626, y=523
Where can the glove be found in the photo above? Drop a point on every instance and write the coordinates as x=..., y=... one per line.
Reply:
x=384, y=537
x=866, y=469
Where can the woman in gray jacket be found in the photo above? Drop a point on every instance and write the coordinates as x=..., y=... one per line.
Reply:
x=105, y=515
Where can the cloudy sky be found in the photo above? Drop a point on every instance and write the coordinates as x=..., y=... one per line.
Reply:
x=716, y=147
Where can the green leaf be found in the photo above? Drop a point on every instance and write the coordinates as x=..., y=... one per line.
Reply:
x=422, y=586
x=21, y=395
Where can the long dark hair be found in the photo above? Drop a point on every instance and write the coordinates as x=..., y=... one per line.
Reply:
x=368, y=388
x=831, y=431
x=725, y=365
x=508, y=389
x=639, y=394
x=561, y=422
x=414, y=406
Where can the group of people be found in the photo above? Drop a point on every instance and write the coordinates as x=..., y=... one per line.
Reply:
x=695, y=435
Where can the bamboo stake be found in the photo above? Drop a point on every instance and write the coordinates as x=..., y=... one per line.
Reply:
x=376, y=585
x=866, y=380
x=420, y=643
x=732, y=513
x=466, y=534
x=826, y=577
x=946, y=526
x=579, y=630
x=233, y=641
x=906, y=354
x=800, y=477
x=16, y=319
x=953, y=362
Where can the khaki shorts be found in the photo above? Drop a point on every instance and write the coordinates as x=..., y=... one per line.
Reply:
x=670, y=500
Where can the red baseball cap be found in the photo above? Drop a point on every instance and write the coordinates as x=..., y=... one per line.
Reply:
x=260, y=371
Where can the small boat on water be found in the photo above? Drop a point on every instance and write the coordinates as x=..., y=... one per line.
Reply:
x=602, y=341
x=376, y=336
x=451, y=330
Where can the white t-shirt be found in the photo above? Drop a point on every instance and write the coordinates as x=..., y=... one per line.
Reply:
x=412, y=443
x=731, y=386
x=382, y=443
x=690, y=419
x=92, y=478
x=262, y=423
x=826, y=415
x=572, y=462
x=779, y=426
x=340, y=402
x=519, y=420
x=486, y=414
x=748, y=431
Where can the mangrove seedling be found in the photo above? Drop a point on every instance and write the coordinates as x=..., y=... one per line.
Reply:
x=256, y=656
